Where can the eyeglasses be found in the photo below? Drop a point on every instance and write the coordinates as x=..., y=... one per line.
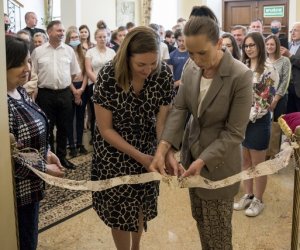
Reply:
x=294, y=30
x=250, y=45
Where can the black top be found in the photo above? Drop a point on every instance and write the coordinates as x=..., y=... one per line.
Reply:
x=34, y=30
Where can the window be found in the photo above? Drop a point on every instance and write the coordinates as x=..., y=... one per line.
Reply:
x=56, y=10
x=164, y=12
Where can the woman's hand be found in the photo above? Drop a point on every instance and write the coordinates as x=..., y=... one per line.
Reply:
x=173, y=167
x=194, y=168
x=78, y=100
x=158, y=164
x=273, y=105
x=54, y=170
x=145, y=160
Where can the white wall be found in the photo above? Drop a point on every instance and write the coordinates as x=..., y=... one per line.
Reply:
x=185, y=6
x=294, y=13
x=89, y=12
x=216, y=6
x=161, y=10
x=97, y=10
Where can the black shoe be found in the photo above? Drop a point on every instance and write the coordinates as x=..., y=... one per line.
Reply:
x=82, y=150
x=67, y=164
x=73, y=152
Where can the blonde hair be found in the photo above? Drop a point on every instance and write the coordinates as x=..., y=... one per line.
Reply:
x=138, y=41
x=70, y=30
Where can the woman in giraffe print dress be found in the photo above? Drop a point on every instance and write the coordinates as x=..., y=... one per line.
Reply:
x=132, y=97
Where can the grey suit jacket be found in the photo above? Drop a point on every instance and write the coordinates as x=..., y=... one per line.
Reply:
x=295, y=61
x=215, y=135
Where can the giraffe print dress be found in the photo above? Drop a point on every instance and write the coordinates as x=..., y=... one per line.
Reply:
x=134, y=118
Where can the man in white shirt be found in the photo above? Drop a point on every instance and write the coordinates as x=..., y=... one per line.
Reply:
x=56, y=65
x=164, y=51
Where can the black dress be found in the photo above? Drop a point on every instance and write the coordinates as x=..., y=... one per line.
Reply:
x=134, y=118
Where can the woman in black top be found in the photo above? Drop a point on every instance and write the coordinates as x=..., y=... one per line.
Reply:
x=29, y=126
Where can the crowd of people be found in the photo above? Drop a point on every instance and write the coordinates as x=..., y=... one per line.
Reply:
x=150, y=93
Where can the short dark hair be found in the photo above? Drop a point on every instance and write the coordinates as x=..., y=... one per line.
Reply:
x=202, y=25
x=52, y=23
x=180, y=19
x=154, y=26
x=257, y=20
x=239, y=27
x=177, y=33
x=16, y=51
x=28, y=14
x=130, y=25
x=169, y=33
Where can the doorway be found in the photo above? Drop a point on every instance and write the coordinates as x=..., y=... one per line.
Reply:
x=242, y=12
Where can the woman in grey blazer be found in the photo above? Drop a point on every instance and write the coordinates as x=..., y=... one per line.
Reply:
x=216, y=90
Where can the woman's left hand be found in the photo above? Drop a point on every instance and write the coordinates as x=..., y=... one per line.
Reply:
x=146, y=160
x=273, y=105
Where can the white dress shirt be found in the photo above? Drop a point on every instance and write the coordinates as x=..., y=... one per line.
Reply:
x=164, y=51
x=54, y=66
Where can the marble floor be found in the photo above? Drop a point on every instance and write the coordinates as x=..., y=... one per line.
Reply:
x=174, y=228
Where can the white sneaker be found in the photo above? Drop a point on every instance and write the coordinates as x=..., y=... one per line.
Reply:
x=255, y=208
x=243, y=203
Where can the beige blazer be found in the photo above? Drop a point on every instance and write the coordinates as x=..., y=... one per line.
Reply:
x=215, y=135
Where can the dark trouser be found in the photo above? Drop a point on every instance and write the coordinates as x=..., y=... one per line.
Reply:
x=28, y=218
x=280, y=108
x=57, y=104
x=275, y=137
x=78, y=112
x=91, y=104
x=213, y=219
x=293, y=104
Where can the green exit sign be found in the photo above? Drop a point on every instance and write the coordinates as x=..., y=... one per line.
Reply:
x=274, y=11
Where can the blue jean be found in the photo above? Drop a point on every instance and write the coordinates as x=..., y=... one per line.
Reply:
x=78, y=112
x=91, y=104
x=28, y=220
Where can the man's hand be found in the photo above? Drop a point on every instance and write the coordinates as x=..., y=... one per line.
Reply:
x=285, y=52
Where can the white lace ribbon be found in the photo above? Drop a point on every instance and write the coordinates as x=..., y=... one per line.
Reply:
x=281, y=160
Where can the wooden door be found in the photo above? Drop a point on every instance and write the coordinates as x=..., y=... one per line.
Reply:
x=242, y=12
